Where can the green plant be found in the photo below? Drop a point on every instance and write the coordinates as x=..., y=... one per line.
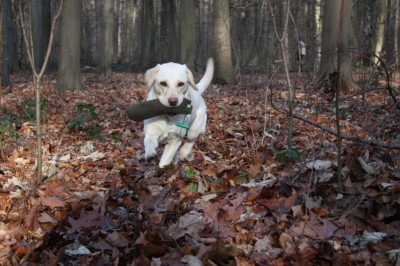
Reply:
x=7, y=123
x=6, y=129
x=28, y=107
x=116, y=138
x=288, y=153
x=189, y=173
x=86, y=121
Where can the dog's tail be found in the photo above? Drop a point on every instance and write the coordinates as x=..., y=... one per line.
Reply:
x=207, y=78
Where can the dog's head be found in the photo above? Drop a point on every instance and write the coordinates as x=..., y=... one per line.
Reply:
x=170, y=82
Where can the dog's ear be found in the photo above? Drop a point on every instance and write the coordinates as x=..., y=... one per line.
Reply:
x=150, y=76
x=190, y=78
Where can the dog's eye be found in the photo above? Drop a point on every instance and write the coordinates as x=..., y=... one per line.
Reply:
x=163, y=84
x=181, y=84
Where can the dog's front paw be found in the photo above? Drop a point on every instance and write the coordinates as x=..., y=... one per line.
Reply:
x=150, y=153
x=189, y=157
x=185, y=152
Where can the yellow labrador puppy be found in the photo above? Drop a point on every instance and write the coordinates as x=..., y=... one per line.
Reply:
x=171, y=83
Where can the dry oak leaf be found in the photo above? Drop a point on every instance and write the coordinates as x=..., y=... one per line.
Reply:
x=87, y=219
x=46, y=218
x=118, y=239
x=284, y=239
x=191, y=223
x=52, y=202
x=326, y=230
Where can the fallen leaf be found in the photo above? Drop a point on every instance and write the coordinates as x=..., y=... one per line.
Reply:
x=94, y=156
x=319, y=165
x=52, y=202
x=76, y=249
x=324, y=230
x=46, y=218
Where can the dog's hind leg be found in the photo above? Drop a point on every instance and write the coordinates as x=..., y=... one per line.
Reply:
x=169, y=152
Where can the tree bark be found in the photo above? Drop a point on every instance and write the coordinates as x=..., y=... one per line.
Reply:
x=169, y=35
x=107, y=37
x=69, y=75
x=379, y=30
x=37, y=33
x=148, y=34
x=222, y=43
x=329, y=43
x=5, y=11
x=188, y=44
x=396, y=34
x=10, y=36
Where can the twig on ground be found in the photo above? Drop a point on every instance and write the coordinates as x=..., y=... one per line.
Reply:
x=333, y=132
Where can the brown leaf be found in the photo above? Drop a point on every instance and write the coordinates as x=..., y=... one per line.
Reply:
x=324, y=230
x=46, y=218
x=284, y=239
x=255, y=168
x=52, y=202
x=117, y=239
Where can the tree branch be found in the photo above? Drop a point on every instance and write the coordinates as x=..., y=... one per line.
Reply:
x=51, y=38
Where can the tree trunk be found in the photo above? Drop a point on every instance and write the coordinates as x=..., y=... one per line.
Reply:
x=5, y=11
x=148, y=34
x=329, y=43
x=222, y=43
x=396, y=34
x=69, y=75
x=168, y=31
x=46, y=23
x=205, y=25
x=379, y=30
x=188, y=44
x=1, y=48
x=37, y=33
x=133, y=32
x=318, y=32
x=107, y=37
x=10, y=35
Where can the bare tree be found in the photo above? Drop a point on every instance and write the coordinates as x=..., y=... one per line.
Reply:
x=107, y=37
x=148, y=33
x=5, y=11
x=396, y=33
x=281, y=39
x=187, y=22
x=169, y=31
x=378, y=35
x=68, y=74
x=37, y=32
x=1, y=46
x=329, y=45
x=36, y=81
x=222, y=43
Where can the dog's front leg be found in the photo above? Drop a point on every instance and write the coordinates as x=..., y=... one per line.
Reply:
x=185, y=151
x=169, y=152
x=150, y=146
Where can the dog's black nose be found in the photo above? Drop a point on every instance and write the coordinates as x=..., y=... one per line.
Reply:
x=173, y=101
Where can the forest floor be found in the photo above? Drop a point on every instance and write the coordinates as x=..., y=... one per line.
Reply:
x=243, y=200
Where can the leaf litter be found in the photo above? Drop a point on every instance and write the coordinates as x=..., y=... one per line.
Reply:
x=235, y=203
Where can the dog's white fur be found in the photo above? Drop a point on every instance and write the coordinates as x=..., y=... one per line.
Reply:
x=171, y=83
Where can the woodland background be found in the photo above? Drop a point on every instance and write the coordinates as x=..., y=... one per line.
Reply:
x=133, y=35
x=300, y=164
